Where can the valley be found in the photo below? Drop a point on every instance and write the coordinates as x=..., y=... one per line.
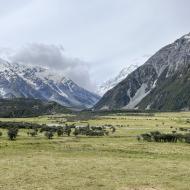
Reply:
x=117, y=161
x=95, y=95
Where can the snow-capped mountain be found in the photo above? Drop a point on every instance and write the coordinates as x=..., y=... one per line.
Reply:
x=18, y=80
x=162, y=83
x=107, y=85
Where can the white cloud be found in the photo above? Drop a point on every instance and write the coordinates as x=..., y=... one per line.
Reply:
x=54, y=58
x=106, y=34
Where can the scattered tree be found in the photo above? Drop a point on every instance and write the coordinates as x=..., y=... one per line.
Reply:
x=49, y=134
x=12, y=133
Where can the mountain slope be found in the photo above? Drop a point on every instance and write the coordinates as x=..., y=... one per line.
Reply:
x=162, y=83
x=103, y=88
x=21, y=81
x=21, y=107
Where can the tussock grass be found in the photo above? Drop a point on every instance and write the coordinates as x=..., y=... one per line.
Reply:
x=112, y=162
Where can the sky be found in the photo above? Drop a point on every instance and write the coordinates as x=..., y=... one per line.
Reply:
x=89, y=41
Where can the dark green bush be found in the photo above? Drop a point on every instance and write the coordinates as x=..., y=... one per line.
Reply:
x=156, y=136
x=146, y=137
x=49, y=134
x=12, y=133
x=32, y=133
x=187, y=138
x=60, y=132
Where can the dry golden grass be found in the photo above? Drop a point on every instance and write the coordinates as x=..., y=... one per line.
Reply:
x=116, y=162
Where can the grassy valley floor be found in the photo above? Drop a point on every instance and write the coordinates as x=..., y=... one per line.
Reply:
x=114, y=162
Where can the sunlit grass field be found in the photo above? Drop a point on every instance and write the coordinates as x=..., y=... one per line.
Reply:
x=114, y=162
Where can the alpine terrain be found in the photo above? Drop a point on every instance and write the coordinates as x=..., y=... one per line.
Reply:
x=107, y=85
x=161, y=83
x=21, y=81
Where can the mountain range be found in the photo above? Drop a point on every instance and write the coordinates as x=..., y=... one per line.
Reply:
x=161, y=83
x=107, y=85
x=25, y=81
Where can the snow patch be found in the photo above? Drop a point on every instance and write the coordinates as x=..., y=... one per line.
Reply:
x=2, y=92
x=40, y=82
x=139, y=95
x=148, y=107
x=105, y=108
x=107, y=85
x=154, y=84
x=187, y=36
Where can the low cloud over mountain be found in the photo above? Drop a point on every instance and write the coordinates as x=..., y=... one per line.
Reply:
x=54, y=58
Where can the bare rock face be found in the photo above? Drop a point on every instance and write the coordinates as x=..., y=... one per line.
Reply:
x=162, y=83
x=21, y=81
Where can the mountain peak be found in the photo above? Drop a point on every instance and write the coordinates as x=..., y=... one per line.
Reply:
x=162, y=83
x=26, y=81
x=187, y=36
x=107, y=85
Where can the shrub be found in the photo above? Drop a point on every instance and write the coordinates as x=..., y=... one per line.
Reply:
x=68, y=131
x=60, y=132
x=76, y=132
x=180, y=137
x=12, y=133
x=113, y=129
x=153, y=133
x=106, y=133
x=156, y=136
x=146, y=137
x=49, y=134
x=138, y=138
x=32, y=133
x=95, y=133
x=1, y=133
x=187, y=138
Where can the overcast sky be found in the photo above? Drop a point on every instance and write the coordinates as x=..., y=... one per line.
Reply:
x=96, y=37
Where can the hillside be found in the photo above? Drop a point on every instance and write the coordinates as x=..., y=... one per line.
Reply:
x=21, y=107
x=162, y=83
x=25, y=81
